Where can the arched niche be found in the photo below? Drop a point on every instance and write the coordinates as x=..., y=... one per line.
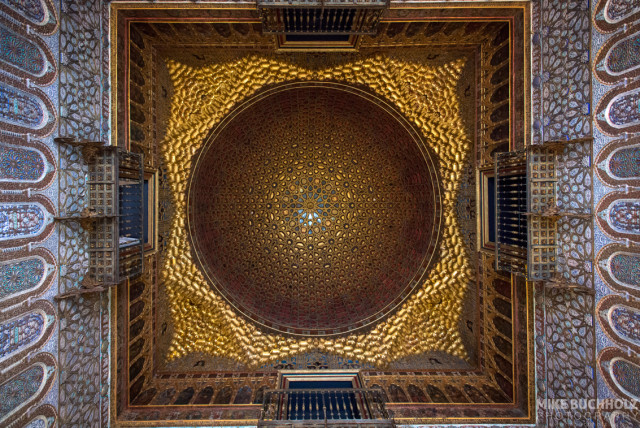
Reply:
x=620, y=320
x=25, y=164
x=617, y=112
x=618, y=164
x=24, y=331
x=618, y=215
x=25, y=219
x=25, y=384
x=620, y=372
x=25, y=274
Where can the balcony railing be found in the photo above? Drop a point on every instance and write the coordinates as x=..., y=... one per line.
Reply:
x=529, y=206
x=511, y=221
x=318, y=17
x=108, y=183
x=336, y=407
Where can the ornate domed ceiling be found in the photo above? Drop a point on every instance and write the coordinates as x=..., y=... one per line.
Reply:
x=249, y=280
x=314, y=208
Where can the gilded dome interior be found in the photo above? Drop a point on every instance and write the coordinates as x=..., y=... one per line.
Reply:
x=314, y=208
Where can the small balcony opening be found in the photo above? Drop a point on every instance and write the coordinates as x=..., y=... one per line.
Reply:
x=323, y=398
